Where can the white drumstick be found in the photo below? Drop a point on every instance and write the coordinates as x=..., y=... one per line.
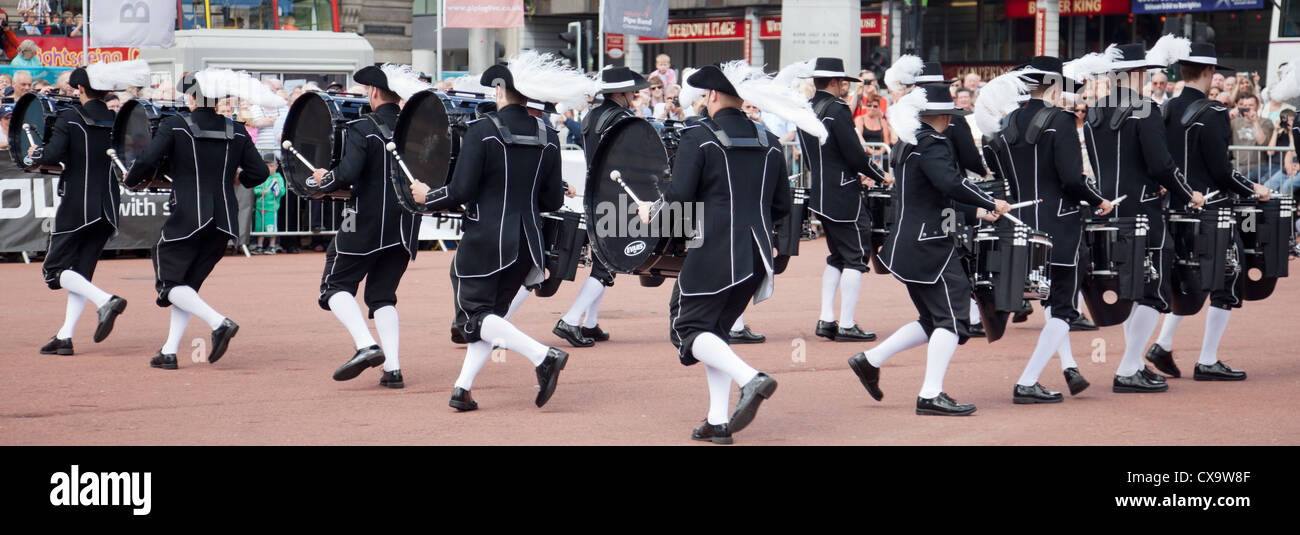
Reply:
x=1013, y=219
x=618, y=177
x=1025, y=204
x=392, y=149
x=112, y=155
x=288, y=145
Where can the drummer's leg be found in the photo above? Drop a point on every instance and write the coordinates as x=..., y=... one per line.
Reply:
x=1056, y=331
x=834, y=269
x=1141, y=323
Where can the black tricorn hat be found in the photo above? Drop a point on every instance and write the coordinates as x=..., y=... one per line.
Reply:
x=372, y=76
x=1133, y=56
x=711, y=77
x=1041, y=68
x=831, y=68
x=621, y=80
x=932, y=73
x=79, y=78
x=497, y=76
x=938, y=101
x=1203, y=54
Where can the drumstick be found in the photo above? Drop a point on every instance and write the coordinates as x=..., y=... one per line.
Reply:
x=288, y=145
x=1112, y=203
x=1013, y=219
x=31, y=141
x=1025, y=204
x=392, y=149
x=618, y=177
x=112, y=155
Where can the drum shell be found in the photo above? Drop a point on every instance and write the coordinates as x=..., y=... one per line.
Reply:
x=428, y=137
x=789, y=229
x=564, y=238
x=1267, y=238
x=1200, y=256
x=128, y=148
x=880, y=205
x=40, y=111
x=319, y=139
x=1125, y=281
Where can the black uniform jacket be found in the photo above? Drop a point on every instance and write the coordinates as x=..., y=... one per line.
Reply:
x=590, y=136
x=1051, y=170
x=202, y=172
x=1130, y=157
x=963, y=146
x=928, y=185
x=836, y=193
x=90, y=191
x=379, y=221
x=504, y=188
x=744, y=192
x=1201, y=148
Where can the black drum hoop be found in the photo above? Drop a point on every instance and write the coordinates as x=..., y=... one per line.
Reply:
x=50, y=106
x=598, y=180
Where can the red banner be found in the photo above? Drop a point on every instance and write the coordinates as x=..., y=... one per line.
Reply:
x=873, y=24
x=1023, y=9
x=987, y=71
x=485, y=13
x=702, y=30
x=66, y=52
x=614, y=43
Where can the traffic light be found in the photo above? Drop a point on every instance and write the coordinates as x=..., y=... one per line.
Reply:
x=573, y=45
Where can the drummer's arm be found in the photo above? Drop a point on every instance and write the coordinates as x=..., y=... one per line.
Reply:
x=686, y=171
x=553, y=186
x=782, y=200
x=53, y=152
x=846, y=140
x=1159, y=162
x=1069, y=162
x=1219, y=159
x=147, y=162
x=253, y=170
x=937, y=165
x=351, y=162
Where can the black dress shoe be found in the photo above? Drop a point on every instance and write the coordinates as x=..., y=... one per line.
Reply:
x=853, y=334
x=1028, y=395
x=942, y=405
x=462, y=401
x=1163, y=361
x=595, y=333
x=869, y=375
x=1022, y=315
x=1152, y=376
x=457, y=337
x=1076, y=381
x=366, y=357
x=107, y=314
x=548, y=373
x=976, y=331
x=164, y=361
x=1082, y=323
x=745, y=336
x=392, y=379
x=717, y=434
x=752, y=394
x=57, y=346
x=827, y=329
x=1136, y=384
x=1217, y=372
x=221, y=339
x=572, y=334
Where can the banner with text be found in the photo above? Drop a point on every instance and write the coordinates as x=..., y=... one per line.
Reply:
x=133, y=23
x=66, y=52
x=644, y=18
x=485, y=13
x=817, y=28
x=1021, y=9
x=1179, y=6
x=28, y=202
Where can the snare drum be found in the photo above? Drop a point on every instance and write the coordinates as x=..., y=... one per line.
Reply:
x=33, y=124
x=1267, y=235
x=1116, y=271
x=315, y=125
x=1010, y=265
x=880, y=205
x=564, y=235
x=133, y=130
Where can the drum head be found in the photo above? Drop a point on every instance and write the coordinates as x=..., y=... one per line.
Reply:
x=30, y=109
x=633, y=148
x=310, y=126
x=133, y=130
x=424, y=139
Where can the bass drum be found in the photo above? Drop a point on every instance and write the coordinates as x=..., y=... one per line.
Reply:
x=315, y=125
x=428, y=137
x=33, y=121
x=133, y=130
x=634, y=148
x=1267, y=236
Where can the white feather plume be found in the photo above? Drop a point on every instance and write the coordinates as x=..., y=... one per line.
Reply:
x=1168, y=49
x=997, y=98
x=904, y=115
x=758, y=89
x=403, y=80
x=689, y=93
x=1288, y=85
x=903, y=72
x=790, y=75
x=548, y=79
x=220, y=83
x=118, y=75
x=469, y=84
x=1090, y=65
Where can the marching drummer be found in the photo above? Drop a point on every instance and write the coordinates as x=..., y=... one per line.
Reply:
x=377, y=238
x=508, y=172
x=836, y=197
x=87, y=214
x=727, y=160
x=1125, y=137
x=215, y=151
x=579, y=324
x=1199, y=135
x=1048, y=168
x=921, y=252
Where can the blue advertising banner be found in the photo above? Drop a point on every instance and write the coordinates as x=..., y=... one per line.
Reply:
x=1180, y=6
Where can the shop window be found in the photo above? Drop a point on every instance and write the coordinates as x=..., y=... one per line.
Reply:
x=1289, y=25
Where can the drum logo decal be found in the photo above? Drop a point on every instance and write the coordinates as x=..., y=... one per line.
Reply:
x=634, y=248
